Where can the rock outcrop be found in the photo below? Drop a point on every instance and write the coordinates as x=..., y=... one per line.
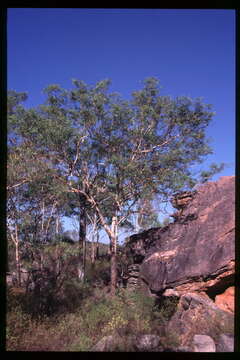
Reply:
x=197, y=314
x=193, y=261
x=196, y=252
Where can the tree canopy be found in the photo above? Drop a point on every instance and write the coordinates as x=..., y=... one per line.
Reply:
x=89, y=145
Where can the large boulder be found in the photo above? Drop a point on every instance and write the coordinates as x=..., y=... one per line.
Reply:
x=203, y=343
x=225, y=343
x=147, y=343
x=196, y=252
x=140, y=343
x=197, y=314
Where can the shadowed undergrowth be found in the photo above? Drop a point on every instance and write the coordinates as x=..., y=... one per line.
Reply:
x=97, y=315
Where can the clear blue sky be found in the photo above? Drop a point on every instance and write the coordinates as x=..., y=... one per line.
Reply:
x=192, y=52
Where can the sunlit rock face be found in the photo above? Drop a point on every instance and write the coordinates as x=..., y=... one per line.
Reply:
x=225, y=301
x=195, y=253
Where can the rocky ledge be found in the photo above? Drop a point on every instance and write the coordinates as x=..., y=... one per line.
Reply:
x=195, y=253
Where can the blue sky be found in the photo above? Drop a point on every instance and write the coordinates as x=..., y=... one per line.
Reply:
x=192, y=52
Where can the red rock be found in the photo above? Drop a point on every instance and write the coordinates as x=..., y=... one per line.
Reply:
x=196, y=252
x=225, y=301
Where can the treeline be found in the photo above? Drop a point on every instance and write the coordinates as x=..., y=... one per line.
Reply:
x=89, y=154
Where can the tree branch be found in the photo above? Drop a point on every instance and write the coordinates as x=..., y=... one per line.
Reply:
x=157, y=146
x=19, y=184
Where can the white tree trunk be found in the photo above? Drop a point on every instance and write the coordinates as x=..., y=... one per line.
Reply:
x=113, y=249
x=18, y=264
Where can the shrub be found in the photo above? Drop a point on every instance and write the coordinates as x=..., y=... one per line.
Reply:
x=171, y=340
x=98, y=274
x=165, y=308
x=48, y=334
x=83, y=343
x=78, y=327
x=17, y=323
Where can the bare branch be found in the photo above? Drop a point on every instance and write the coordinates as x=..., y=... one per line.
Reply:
x=19, y=184
x=77, y=155
x=157, y=146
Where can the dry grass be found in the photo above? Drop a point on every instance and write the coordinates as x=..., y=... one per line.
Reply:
x=125, y=314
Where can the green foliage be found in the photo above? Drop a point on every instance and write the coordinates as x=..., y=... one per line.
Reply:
x=53, y=285
x=220, y=324
x=164, y=309
x=171, y=340
x=127, y=313
x=83, y=343
x=214, y=169
x=98, y=273
x=128, y=148
x=17, y=323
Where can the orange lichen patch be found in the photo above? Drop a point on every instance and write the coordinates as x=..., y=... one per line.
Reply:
x=162, y=255
x=225, y=301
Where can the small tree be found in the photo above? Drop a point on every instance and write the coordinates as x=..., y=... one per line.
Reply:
x=33, y=201
x=145, y=147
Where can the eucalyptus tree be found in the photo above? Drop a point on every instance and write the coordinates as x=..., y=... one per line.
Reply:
x=32, y=196
x=113, y=153
x=138, y=148
x=23, y=168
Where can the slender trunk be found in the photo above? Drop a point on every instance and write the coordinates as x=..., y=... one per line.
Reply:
x=113, y=267
x=14, y=237
x=82, y=232
x=137, y=223
x=113, y=249
x=97, y=246
x=18, y=265
x=57, y=225
x=42, y=222
x=113, y=241
x=93, y=250
x=93, y=253
x=109, y=251
x=84, y=259
x=49, y=220
x=57, y=262
x=41, y=261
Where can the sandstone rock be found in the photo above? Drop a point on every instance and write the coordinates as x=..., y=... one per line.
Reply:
x=198, y=314
x=139, y=245
x=113, y=343
x=196, y=253
x=225, y=343
x=225, y=301
x=147, y=342
x=133, y=276
x=182, y=199
x=203, y=343
x=171, y=293
x=105, y=344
